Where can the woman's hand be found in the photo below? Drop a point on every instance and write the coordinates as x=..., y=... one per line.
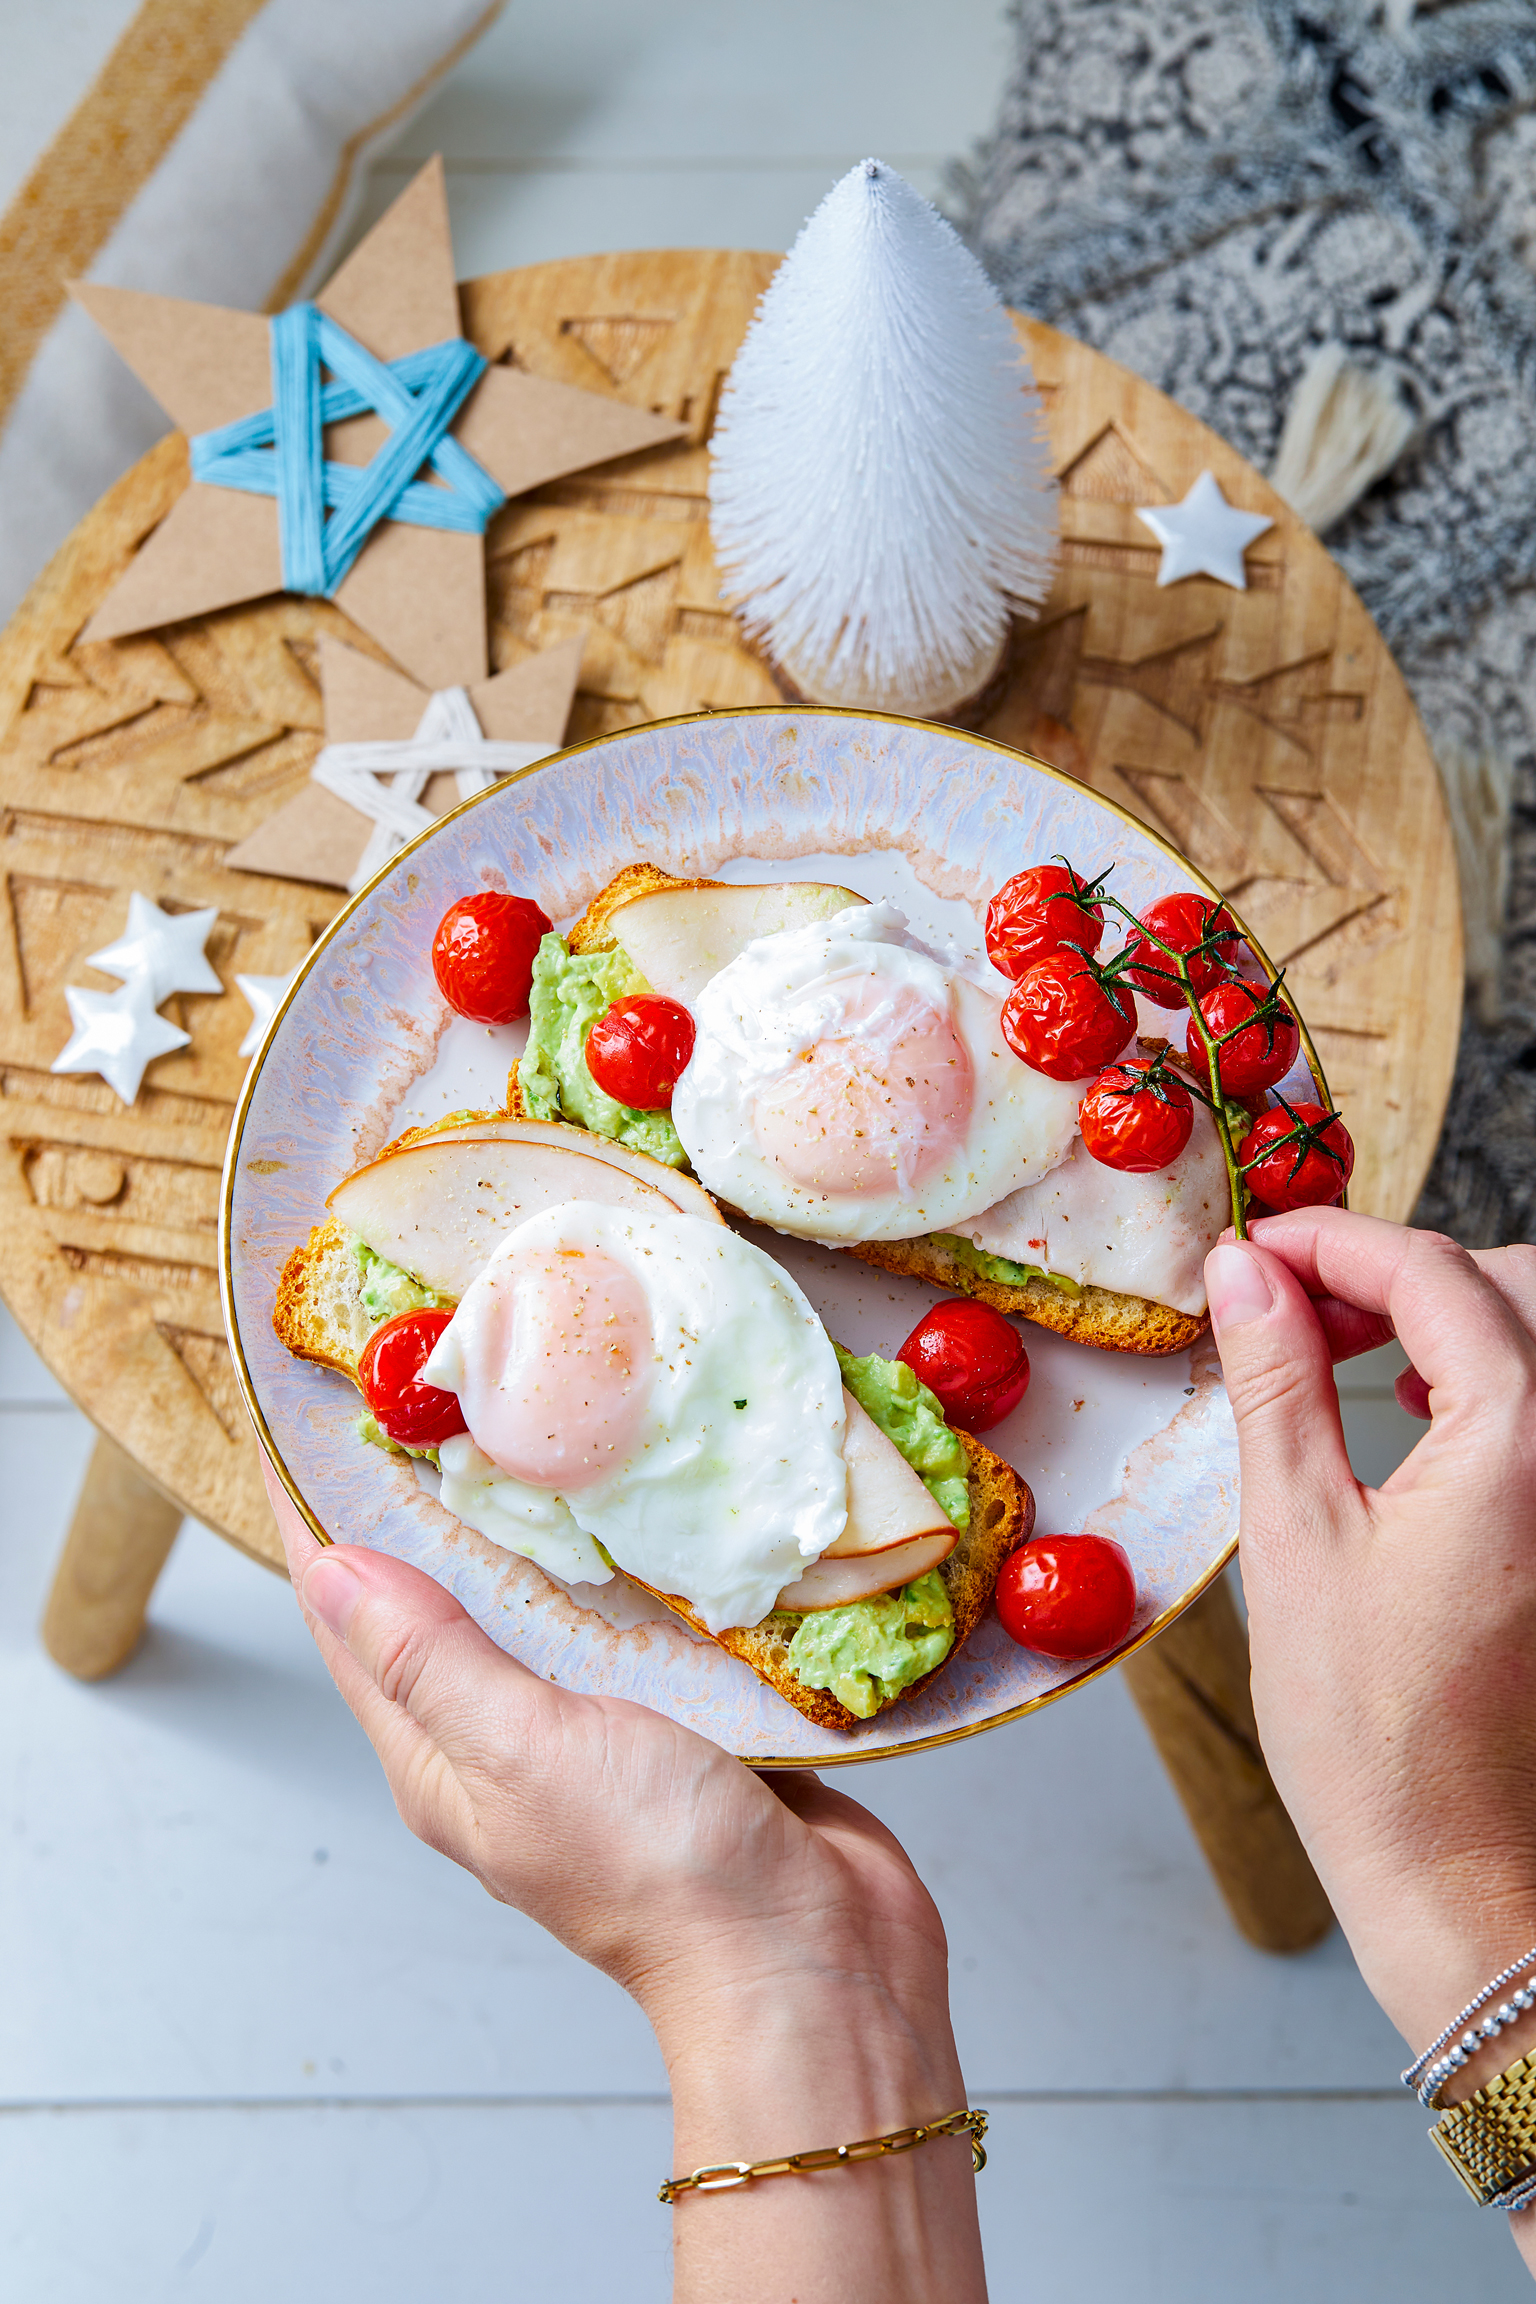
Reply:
x=775, y=1934
x=1393, y=1630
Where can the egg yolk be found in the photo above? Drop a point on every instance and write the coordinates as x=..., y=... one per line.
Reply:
x=879, y=1102
x=557, y=1384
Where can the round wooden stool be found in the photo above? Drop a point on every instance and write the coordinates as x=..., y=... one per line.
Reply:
x=1266, y=731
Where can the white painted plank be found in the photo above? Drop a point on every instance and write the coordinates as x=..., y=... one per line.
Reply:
x=1380, y=1435
x=1373, y=1373
x=596, y=81
x=1086, y=1935
x=274, y=1930
x=1163, y=2203
x=593, y=127
x=190, y=1799
x=503, y=218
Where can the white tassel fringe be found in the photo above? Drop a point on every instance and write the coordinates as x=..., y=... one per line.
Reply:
x=1345, y=426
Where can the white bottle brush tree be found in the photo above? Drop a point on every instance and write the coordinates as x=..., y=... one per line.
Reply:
x=880, y=486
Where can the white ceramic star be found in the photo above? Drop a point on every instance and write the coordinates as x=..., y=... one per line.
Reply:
x=264, y=994
x=1204, y=535
x=164, y=947
x=117, y=1034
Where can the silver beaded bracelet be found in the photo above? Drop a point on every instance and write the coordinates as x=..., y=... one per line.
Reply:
x=1428, y=2075
x=1518, y=2196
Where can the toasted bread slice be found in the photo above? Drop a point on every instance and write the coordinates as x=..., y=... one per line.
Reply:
x=319, y=1315
x=1102, y=1317
x=1098, y=1316
x=1002, y=1516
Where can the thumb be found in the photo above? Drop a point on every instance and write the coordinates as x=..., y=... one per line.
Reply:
x=408, y=1658
x=1278, y=1368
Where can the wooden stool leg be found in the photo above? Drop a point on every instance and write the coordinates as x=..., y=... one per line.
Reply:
x=116, y=1547
x=1191, y=1685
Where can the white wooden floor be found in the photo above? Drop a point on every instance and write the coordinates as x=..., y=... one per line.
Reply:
x=253, y=2040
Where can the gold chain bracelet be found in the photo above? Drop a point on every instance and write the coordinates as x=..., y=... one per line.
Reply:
x=729, y=2175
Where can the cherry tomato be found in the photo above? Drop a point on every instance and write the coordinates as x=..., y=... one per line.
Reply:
x=1182, y=921
x=389, y=1371
x=971, y=1359
x=1306, y=1175
x=637, y=1050
x=1067, y=1596
x=1037, y=912
x=483, y=953
x=1256, y=1058
x=1061, y=1020
x=1128, y=1125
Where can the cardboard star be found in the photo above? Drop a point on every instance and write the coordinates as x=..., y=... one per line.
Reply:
x=318, y=836
x=1203, y=535
x=419, y=591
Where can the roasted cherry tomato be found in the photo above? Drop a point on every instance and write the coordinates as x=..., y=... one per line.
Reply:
x=1061, y=1020
x=1183, y=922
x=1128, y=1125
x=971, y=1359
x=637, y=1050
x=1255, y=1058
x=1067, y=1596
x=483, y=952
x=1306, y=1174
x=389, y=1371
x=1037, y=912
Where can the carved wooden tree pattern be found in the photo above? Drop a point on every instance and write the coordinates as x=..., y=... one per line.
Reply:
x=1266, y=733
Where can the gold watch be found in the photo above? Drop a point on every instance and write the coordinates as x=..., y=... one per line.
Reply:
x=1490, y=2140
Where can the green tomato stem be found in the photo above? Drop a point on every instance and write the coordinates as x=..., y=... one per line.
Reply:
x=1216, y=1103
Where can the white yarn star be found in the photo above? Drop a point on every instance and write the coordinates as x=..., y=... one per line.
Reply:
x=117, y=1034
x=1204, y=535
x=264, y=993
x=166, y=948
x=382, y=778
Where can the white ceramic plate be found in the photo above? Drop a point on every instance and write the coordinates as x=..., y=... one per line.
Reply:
x=1141, y=1450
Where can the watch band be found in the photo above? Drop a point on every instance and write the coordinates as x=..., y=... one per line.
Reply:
x=1490, y=2140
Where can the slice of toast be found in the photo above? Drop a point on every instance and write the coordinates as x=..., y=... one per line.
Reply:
x=319, y=1315
x=1099, y=1316
x=1002, y=1517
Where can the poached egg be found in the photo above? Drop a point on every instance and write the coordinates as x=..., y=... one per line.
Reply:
x=848, y=1085
x=654, y=1385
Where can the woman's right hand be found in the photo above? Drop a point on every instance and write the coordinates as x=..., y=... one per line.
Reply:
x=1393, y=1630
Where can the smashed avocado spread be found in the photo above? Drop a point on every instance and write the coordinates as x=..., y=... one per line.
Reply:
x=871, y=1650
x=1000, y=1268
x=895, y=1398
x=570, y=991
x=387, y=1291
x=370, y=1429
x=868, y=1653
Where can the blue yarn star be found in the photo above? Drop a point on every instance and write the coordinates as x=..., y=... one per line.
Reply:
x=279, y=452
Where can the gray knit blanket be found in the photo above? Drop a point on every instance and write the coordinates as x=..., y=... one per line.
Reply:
x=1231, y=196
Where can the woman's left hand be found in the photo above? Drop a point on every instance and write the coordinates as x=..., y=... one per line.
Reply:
x=791, y=1961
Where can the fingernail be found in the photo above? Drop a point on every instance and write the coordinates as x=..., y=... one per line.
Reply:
x=1237, y=1286
x=331, y=1592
